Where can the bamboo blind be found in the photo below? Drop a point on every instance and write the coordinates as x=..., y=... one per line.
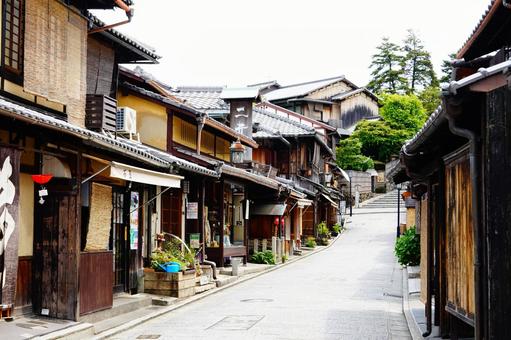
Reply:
x=184, y=133
x=208, y=143
x=56, y=55
x=100, y=218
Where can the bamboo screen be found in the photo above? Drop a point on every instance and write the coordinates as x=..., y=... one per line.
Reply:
x=56, y=55
x=100, y=218
x=459, y=238
x=184, y=133
x=208, y=143
x=223, y=149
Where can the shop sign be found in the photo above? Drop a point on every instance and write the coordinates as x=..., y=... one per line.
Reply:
x=134, y=204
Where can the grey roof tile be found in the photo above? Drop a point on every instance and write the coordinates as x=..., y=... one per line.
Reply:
x=132, y=149
x=302, y=89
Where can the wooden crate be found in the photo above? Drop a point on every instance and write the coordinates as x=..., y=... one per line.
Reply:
x=100, y=113
x=181, y=284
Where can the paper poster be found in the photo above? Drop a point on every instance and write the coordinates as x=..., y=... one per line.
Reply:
x=134, y=204
x=192, y=210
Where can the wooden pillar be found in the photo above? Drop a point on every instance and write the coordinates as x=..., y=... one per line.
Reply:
x=201, y=217
x=497, y=205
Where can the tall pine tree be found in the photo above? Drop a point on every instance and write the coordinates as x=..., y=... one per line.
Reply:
x=447, y=69
x=418, y=67
x=387, y=69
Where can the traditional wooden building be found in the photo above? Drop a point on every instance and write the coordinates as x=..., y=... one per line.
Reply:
x=77, y=208
x=335, y=101
x=458, y=164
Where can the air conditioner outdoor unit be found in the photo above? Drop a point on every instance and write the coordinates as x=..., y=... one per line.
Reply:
x=126, y=121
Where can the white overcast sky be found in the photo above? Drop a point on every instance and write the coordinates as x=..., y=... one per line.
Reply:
x=240, y=42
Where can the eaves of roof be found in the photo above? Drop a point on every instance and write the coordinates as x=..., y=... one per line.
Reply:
x=295, y=114
x=227, y=130
x=481, y=25
x=130, y=149
x=346, y=95
x=125, y=40
x=160, y=98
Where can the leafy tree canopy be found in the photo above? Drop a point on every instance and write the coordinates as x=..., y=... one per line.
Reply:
x=387, y=69
x=380, y=141
x=430, y=99
x=349, y=155
x=418, y=67
x=403, y=112
x=447, y=68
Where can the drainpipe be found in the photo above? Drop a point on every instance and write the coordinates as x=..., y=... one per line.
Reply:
x=201, y=120
x=479, y=236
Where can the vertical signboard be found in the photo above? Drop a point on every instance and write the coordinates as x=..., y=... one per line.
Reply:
x=9, y=229
x=134, y=204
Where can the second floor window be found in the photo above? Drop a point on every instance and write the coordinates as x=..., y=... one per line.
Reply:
x=13, y=34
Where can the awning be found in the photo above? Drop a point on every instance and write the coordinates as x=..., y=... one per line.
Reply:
x=372, y=172
x=268, y=209
x=302, y=203
x=329, y=199
x=345, y=175
x=139, y=175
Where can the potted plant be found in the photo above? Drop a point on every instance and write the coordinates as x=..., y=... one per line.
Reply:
x=323, y=233
x=336, y=230
x=174, y=268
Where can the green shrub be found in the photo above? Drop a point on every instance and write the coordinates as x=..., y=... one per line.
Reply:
x=322, y=230
x=310, y=242
x=336, y=228
x=408, y=250
x=263, y=257
x=284, y=258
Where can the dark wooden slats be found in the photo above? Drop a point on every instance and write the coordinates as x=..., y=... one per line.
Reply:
x=96, y=277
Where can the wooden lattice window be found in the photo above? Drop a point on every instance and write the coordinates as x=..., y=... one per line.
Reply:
x=13, y=34
x=184, y=133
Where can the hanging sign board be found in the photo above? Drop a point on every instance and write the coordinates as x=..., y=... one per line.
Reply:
x=192, y=210
x=134, y=203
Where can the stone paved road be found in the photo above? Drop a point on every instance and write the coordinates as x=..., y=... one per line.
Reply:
x=352, y=290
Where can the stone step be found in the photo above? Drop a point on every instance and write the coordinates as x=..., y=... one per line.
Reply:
x=123, y=303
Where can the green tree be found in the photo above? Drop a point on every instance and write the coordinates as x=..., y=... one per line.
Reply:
x=349, y=155
x=403, y=112
x=418, y=67
x=379, y=140
x=430, y=99
x=387, y=69
x=447, y=69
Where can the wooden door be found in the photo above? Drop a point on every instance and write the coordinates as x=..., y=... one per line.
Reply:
x=56, y=252
x=120, y=242
x=171, y=212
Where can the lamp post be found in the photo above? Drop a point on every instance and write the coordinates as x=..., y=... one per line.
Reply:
x=399, y=186
x=351, y=200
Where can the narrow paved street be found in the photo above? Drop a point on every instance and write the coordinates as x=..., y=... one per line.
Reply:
x=351, y=290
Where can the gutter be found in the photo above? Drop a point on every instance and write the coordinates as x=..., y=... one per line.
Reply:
x=479, y=232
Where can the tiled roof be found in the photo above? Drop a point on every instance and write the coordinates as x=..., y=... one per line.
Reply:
x=452, y=88
x=492, y=8
x=299, y=90
x=148, y=51
x=204, y=98
x=209, y=121
x=271, y=123
x=129, y=148
x=159, y=97
x=348, y=94
x=239, y=93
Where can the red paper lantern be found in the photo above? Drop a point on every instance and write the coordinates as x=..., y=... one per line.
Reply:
x=282, y=222
x=276, y=222
x=42, y=179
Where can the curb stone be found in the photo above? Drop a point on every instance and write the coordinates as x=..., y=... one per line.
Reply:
x=410, y=319
x=133, y=323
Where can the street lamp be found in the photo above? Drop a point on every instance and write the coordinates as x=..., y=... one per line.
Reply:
x=237, y=152
x=399, y=186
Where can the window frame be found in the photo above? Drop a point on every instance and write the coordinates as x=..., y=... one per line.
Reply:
x=8, y=72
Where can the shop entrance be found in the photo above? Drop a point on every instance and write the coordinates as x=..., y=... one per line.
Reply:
x=119, y=240
x=56, y=252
